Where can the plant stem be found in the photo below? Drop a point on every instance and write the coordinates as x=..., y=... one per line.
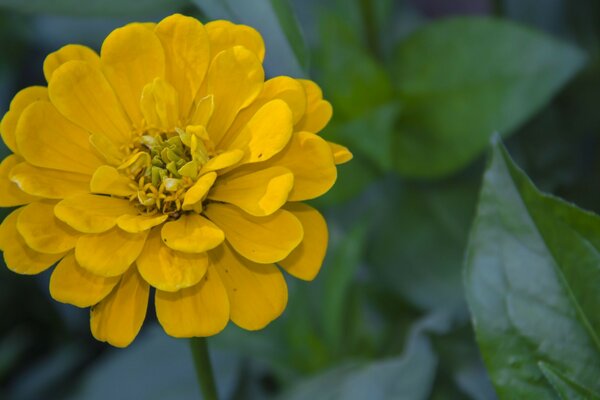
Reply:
x=204, y=371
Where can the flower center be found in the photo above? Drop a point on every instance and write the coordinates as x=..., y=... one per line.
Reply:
x=163, y=166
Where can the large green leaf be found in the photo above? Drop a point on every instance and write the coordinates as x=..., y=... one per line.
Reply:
x=287, y=53
x=106, y=8
x=565, y=387
x=462, y=79
x=532, y=277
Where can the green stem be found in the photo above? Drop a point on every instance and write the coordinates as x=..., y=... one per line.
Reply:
x=204, y=371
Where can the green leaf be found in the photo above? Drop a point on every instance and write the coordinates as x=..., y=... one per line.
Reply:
x=565, y=387
x=91, y=8
x=460, y=80
x=409, y=376
x=286, y=49
x=532, y=277
x=413, y=218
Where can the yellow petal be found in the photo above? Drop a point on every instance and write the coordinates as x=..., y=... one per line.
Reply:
x=119, y=317
x=108, y=180
x=318, y=111
x=47, y=139
x=258, y=193
x=109, y=253
x=49, y=183
x=306, y=259
x=18, y=256
x=131, y=57
x=191, y=233
x=341, y=154
x=201, y=310
x=107, y=150
x=310, y=160
x=89, y=213
x=235, y=77
x=42, y=231
x=261, y=239
x=68, y=53
x=266, y=134
x=167, y=269
x=225, y=35
x=186, y=46
x=82, y=94
x=8, y=126
x=194, y=196
x=74, y=285
x=140, y=223
x=257, y=292
x=202, y=111
x=222, y=161
x=11, y=194
x=282, y=87
x=160, y=105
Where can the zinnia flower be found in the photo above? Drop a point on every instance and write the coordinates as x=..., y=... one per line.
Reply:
x=167, y=162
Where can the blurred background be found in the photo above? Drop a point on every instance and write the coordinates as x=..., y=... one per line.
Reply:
x=386, y=317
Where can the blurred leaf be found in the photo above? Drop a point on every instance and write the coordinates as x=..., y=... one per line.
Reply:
x=532, y=281
x=105, y=8
x=566, y=388
x=342, y=266
x=287, y=53
x=370, y=134
x=352, y=79
x=460, y=80
x=413, y=220
x=409, y=376
x=155, y=366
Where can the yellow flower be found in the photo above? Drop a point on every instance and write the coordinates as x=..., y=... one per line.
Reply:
x=167, y=161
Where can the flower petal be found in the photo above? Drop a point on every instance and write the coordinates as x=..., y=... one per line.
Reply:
x=18, y=256
x=131, y=57
x=109, y=253
x=310, y=160
x=108, y=180
x=167, y=269
x=8, y=126
x=11, y=194
x=281, y=87
x=49, y=183
x=257, y=292
x=194, y=196
x=202, y=111
x=341, y=154
x=318, y=111
x=119, y=317
x=90, y=213
x=305, y=261
x=160, y=105
x=47, y=139
x=42, y=231
x=225, y=35
x=265, y=135
x=191, y=233
x=82, y=94
x=140, y=223
x=74, y=285
x=68, y=53
x=201, y=310
x=235, y=77
x=259, y=193
x=186, y=46
x=261, y=239
x=222, y=161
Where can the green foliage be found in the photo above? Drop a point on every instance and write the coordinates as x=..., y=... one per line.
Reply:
x=104, y=8
x=532, y=281
x=461, y=79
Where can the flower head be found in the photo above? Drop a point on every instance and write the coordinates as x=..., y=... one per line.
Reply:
x=168, y=162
